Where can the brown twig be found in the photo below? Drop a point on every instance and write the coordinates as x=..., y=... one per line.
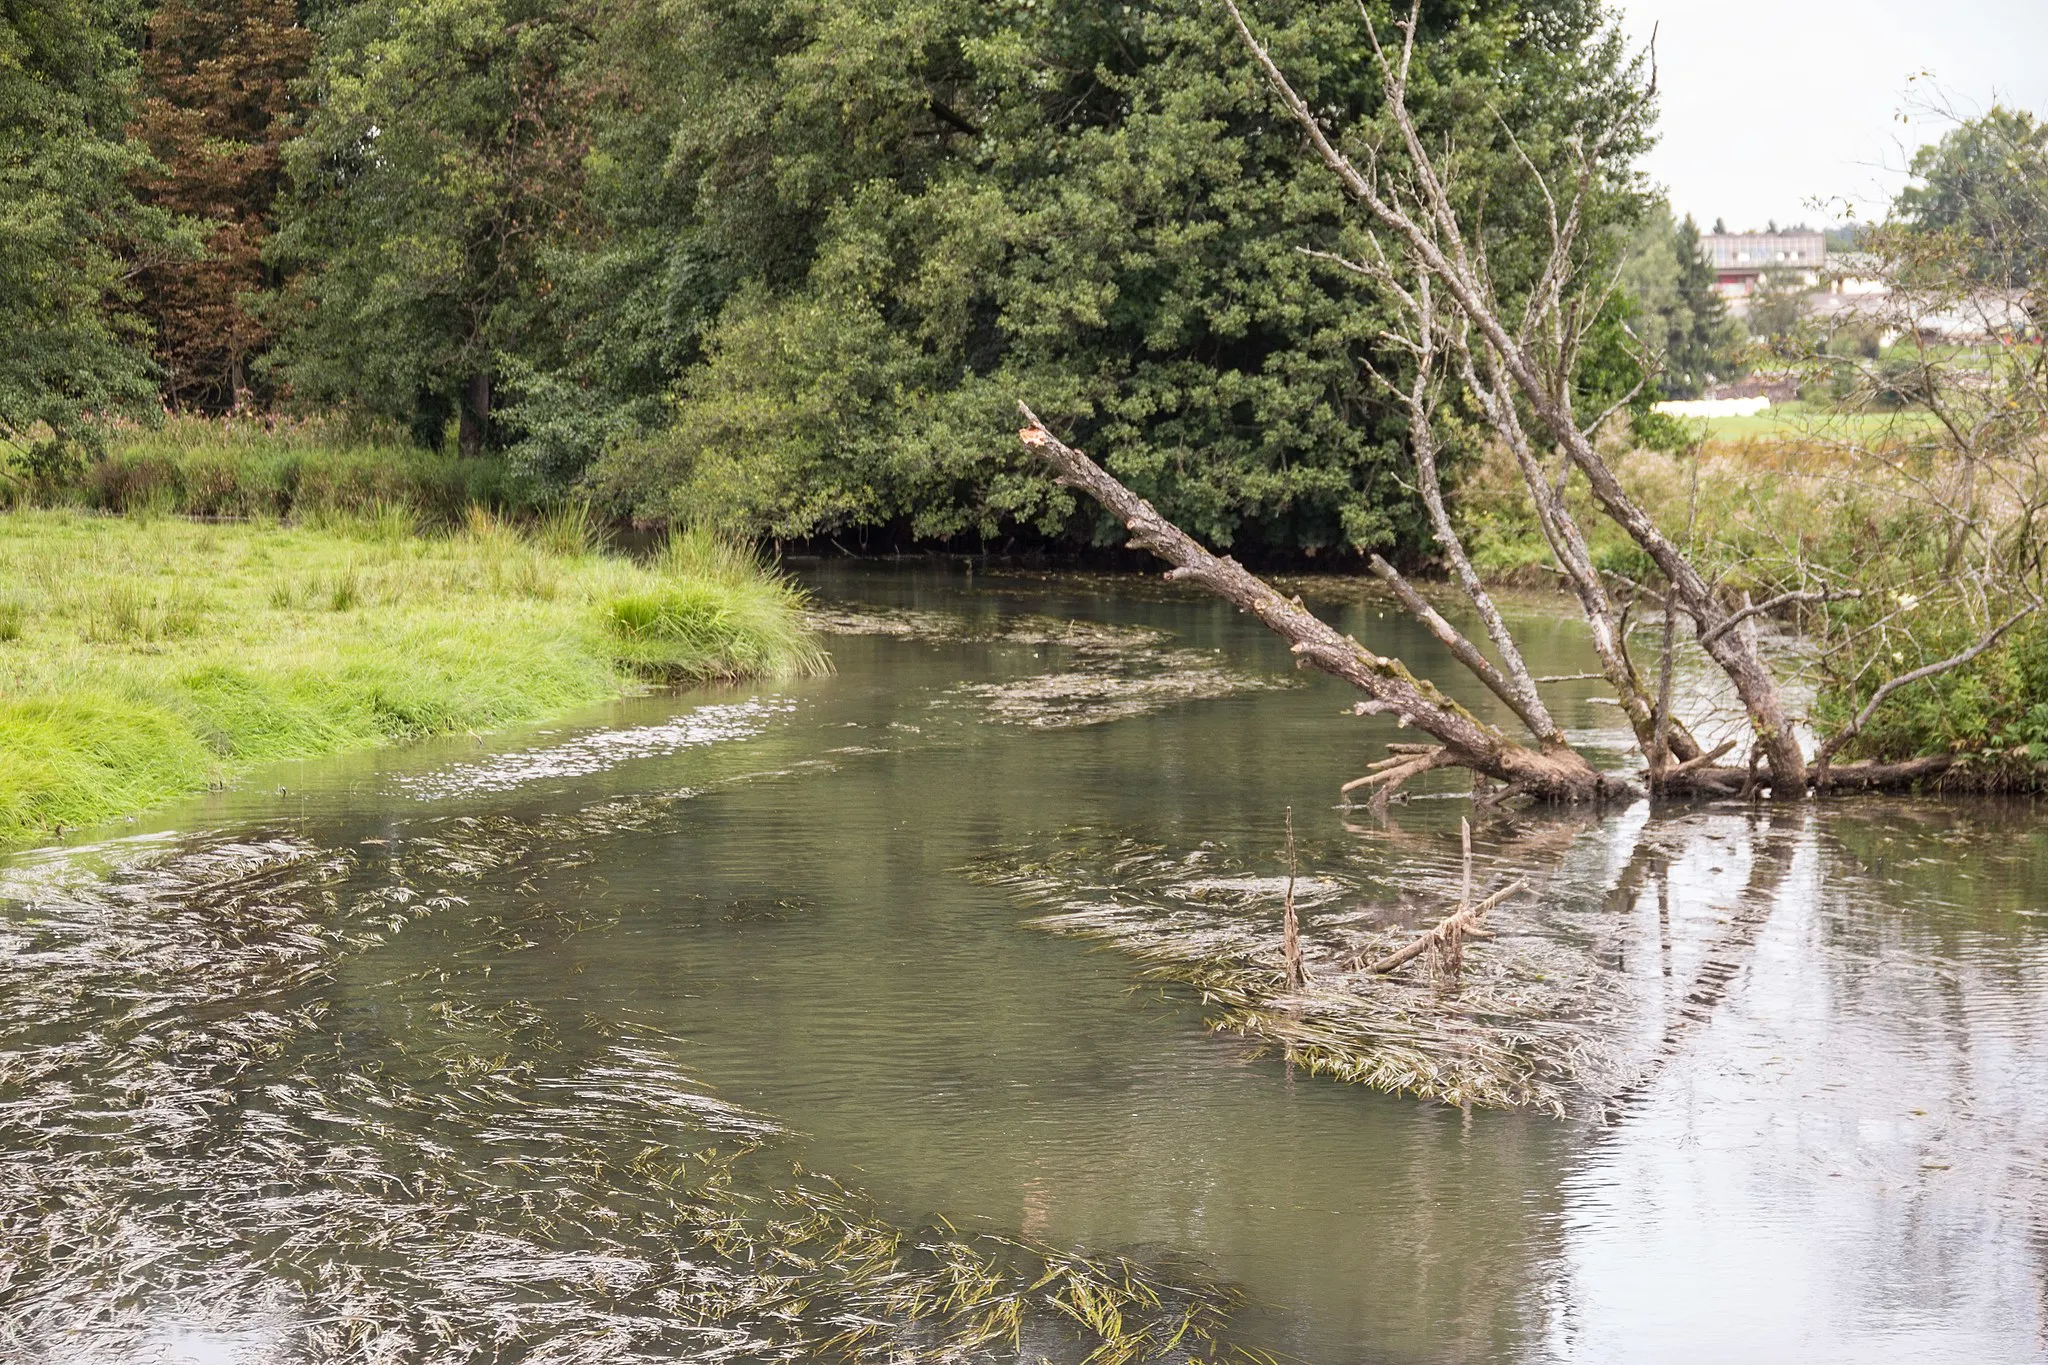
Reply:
x=1449, y=935
x=1290, y=934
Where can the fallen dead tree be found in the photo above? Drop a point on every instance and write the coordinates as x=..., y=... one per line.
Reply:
x=1516, y=363
x=1553, y=772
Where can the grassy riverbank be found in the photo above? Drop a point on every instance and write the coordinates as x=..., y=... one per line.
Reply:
x=146, y=657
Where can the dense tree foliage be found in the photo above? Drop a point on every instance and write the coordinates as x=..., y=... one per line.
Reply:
x=217, y=107
x=68, y=349
x=1985, y=184
x=789, y=264
x=894, y=220
x=442, y=158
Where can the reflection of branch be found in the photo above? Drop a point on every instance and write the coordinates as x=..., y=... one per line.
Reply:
x=1721, y=961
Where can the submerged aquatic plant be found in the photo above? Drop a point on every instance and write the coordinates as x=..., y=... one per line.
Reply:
x=208, y=1118
x=1103, y=672
x=1526, y=1024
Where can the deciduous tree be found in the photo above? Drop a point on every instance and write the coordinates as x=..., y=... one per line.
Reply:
x=444, y=153
x=1986, y=183
x=1516, y=358
x=889, y=217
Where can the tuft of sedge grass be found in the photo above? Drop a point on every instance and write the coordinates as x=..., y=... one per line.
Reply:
x=155, y=658
x=569, y=529
x=717, y=610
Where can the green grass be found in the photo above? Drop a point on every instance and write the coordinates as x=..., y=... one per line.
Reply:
x=146, y=657
x=1797, y=420
x=271, y=467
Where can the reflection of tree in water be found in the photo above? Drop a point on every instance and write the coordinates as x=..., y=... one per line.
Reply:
x=1849, y=1061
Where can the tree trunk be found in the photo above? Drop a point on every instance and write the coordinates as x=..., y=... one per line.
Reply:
x=475, y=427
x=1553, y=772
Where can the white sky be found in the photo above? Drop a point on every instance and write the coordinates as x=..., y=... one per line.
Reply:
x=1769, y=106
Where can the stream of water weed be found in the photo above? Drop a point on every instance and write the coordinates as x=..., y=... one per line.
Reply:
x=527, y=1047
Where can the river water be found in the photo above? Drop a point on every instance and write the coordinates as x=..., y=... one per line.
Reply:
x=368, y=1058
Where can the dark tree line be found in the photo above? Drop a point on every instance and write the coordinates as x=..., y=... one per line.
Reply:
x=778, y=262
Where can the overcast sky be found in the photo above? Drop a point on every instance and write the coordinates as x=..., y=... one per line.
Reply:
x=1768, y=106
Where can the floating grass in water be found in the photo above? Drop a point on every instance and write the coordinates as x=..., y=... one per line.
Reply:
x=204, y=1131
x=1102, y=672
x=1529, y=1023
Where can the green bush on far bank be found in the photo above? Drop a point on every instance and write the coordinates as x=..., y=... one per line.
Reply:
x=1771, y=517
x=144, y=658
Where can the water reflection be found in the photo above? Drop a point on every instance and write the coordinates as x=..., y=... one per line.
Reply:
x=401, y=1039
x=1845, y=1147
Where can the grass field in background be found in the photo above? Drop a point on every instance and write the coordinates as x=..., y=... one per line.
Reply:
x=1796, y=420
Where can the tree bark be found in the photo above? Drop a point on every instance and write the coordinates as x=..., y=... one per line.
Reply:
x=1553, y=772
x=475, y=415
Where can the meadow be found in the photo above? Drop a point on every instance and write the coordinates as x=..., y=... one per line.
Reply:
x=147, y=655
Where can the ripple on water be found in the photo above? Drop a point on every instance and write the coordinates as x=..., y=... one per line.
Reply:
x=258, y=1104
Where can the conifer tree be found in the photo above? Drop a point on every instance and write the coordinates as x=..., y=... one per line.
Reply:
x=1668, y=278
x=217, y=108
x=1703, y=341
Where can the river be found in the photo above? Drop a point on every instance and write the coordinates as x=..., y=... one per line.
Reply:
x=359, y=1057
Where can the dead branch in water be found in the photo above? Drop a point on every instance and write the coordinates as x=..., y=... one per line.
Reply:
x=1290, y=934
x=1551, y=772
x=1530, y=362
x=1448, y=936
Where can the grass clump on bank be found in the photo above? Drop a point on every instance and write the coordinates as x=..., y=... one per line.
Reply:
x=715, y=611
x=145, y=658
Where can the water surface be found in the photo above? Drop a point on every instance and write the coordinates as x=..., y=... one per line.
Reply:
x=758, y=914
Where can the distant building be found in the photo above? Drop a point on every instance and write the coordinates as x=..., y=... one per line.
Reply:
x=1739, y=259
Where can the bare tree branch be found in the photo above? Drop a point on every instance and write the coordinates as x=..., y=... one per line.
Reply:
x=1545, y=389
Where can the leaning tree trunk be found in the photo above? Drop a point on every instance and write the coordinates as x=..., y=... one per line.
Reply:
x=1418, y=214
x=1549, y=772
